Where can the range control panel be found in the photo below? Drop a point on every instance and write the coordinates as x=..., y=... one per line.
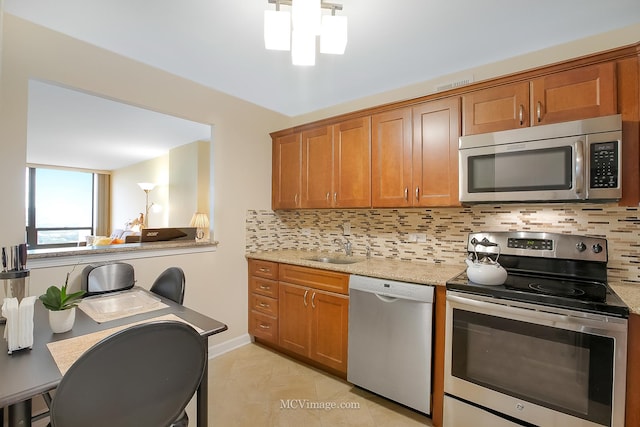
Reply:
x=539, y=245
x=530, y=244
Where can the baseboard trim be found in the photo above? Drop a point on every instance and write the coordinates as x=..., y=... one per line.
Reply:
x=227, y=346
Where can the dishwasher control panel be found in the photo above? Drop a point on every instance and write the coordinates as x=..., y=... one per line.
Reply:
x=391, y=288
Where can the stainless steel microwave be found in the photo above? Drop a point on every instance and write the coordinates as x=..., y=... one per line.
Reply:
x=570, y=161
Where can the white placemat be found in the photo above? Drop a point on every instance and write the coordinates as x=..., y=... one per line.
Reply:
x=120, y=305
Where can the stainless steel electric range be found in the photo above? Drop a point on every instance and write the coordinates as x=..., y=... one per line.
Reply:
x=546, y=348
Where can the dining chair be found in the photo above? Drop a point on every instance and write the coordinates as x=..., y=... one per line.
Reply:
x=142, y=376
x=170, y=284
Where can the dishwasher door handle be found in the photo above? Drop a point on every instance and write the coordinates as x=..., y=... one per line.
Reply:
x=386, y=299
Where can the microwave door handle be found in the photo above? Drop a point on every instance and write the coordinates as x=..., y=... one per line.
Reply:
x=580, y=168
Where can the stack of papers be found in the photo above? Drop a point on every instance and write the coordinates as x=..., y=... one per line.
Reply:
x=19, y=328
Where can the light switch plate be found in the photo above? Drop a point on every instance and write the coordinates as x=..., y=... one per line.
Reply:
x=346, y=229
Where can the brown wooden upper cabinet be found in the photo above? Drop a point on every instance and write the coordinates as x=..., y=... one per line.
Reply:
x=415, y=155
x=336, y=165
x=286, y=172
x=579, y=93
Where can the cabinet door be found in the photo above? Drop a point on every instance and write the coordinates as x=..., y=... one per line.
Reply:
x=293, y=317
x=496, y=108
x=436, y=129
x=329, y=329
x=633, y=372
x=352, y=163
x=317, y=168
x=573, y=95
x=391, y=158
x=287, y=172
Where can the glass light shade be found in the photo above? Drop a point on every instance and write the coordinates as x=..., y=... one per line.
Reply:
x=146, y=186
x=303, y=48
x=333, y=34
x=306, y=15
x=199, y=220
x=277, y=30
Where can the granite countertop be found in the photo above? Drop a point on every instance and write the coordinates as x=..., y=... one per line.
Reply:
x=106, y=249
x=630, y=294
x=404, y=271
x=408, y=271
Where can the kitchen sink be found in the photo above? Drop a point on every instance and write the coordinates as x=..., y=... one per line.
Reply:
x=333, y=260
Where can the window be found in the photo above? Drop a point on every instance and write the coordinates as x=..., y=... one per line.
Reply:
x=60, y=207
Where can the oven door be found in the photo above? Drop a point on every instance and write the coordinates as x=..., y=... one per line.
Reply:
x=552, y=169
x=540, y=365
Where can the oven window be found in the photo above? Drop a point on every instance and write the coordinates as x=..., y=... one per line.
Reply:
x=567, y=371
x=530, y=170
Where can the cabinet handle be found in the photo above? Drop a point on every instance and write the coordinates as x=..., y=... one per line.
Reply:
x=295, y=199
x=265, y=287
x=521, y=114
x=539, y=111
x=335, y=197
x=417, y=193
x=327, y=197
x=263, y=326
x=406, y=193
x=304, y=298
x=264, y=270
x=313, y=300
x=263, y=304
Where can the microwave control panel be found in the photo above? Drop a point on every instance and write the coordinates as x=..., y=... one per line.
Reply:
x=604, y=165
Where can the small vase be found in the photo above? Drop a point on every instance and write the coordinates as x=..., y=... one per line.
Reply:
x=62, y=321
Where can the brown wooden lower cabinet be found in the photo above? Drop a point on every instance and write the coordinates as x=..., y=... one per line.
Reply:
x=263, y=300
x=314, y=324
x=305, y=312
x=632, y=418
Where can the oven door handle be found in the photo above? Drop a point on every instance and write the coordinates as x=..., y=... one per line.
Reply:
x=523, y=313
x=534, y=314
x=496, y=308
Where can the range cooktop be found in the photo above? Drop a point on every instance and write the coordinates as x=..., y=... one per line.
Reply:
x=555, y=270
x=594, y=297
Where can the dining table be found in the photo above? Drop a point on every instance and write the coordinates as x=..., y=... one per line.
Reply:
x=27, y=373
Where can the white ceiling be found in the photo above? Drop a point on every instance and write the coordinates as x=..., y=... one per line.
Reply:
x=73, y=129
x=392, y=44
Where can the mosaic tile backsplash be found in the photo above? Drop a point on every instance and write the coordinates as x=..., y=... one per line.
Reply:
x=386, y=231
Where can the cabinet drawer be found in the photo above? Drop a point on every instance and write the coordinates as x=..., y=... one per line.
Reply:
x=312, y=277
x=263, y=326
x=266, y=269
x=263, y=287
x=263, y=304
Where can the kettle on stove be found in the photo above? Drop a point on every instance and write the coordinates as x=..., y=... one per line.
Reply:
x=485, y=271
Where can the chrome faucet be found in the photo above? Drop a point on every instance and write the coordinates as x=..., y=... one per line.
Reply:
x=346, y=246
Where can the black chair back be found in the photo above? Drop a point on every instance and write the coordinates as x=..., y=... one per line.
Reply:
x=142, y=376
x=170, y=284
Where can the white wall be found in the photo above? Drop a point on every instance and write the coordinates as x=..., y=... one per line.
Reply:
x=189, y=176
x=241, y=154
x=127, y=198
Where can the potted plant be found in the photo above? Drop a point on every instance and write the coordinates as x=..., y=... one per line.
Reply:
x=61, y=306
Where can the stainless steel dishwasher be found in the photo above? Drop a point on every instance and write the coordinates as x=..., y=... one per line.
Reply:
x=390, y=334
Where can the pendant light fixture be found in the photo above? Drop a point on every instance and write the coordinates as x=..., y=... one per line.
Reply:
x=297, y=30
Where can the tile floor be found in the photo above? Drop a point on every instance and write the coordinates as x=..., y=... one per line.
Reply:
x=254, y=386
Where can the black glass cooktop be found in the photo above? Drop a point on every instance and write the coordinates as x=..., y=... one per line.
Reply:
x=581, y=295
